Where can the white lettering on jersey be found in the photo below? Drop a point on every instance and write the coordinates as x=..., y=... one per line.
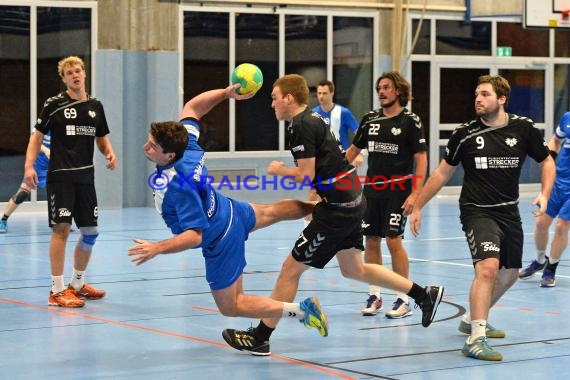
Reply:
x=80, y=130
x=382, y=147
x=70, y=113
x=496, y=162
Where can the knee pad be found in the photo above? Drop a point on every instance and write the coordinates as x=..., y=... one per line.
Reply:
x=21, y=195
x=88, y=238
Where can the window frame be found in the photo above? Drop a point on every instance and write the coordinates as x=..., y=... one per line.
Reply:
x=281, y=12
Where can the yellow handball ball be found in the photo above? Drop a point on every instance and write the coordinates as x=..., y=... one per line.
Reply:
x=249, y=76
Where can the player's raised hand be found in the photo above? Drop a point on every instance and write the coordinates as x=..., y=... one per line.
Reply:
x=231, y=92
x=143, y=251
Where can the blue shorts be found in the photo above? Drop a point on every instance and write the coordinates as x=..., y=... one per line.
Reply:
x=225, y=261
x=559, y=202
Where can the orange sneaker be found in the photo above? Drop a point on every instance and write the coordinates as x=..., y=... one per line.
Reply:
x=88, y=292
x=65, y=298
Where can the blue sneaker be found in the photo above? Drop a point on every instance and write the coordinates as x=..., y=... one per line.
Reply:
x=314, y=316
x=547, y=280
x=3, y=226
x=531, y=269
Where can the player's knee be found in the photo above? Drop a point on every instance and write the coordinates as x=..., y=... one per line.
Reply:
x=88, y=238
x=229, y=312
x=21, y=195
x=562, y=227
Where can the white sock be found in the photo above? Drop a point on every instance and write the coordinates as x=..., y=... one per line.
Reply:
x=403, y=297
x=540, y=257
x=374, y=290
x=467, y=318
x=57, y=284
x=293, y=310
x=478, y=327
x=78, y=279
x=553, y=261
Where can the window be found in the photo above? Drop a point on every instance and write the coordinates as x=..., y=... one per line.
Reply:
x=423, y=42
x=257, y=42
x=462, y=38
x=61, y=31
x=279, y=41
x=524, y=42
x=206, y=64
x=14, y=95
x=352, y=63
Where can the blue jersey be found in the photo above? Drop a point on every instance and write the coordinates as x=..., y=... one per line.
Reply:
x=563, y=160
x=189, y=202
x=341, y=121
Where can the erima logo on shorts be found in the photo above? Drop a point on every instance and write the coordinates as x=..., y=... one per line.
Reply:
x=298, y=148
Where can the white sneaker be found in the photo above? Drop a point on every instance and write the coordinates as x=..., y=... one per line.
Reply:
x=400, y=309
x=373, y=306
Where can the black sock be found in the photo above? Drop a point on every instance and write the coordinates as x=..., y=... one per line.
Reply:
x=5, y=218
x=417, y=293
x=263, y=332
x=552, y=267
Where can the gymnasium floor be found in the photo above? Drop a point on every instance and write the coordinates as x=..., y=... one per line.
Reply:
x=159, y=321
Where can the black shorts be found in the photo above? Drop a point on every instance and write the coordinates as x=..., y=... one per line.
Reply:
x=332, y=229
x=494, y=234
x=68, y=200
x=385, y=216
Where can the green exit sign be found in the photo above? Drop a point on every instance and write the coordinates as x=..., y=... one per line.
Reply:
x=504, y=51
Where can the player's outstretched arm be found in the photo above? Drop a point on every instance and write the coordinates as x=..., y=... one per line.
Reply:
x=202, y=103
x=145, y=250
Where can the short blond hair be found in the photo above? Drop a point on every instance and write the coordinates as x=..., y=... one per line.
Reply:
x=69, y=61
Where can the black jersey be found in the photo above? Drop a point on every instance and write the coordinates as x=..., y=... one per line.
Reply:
x=309, y=136
x=73, y=124
x=492, y=158
x=391, y=143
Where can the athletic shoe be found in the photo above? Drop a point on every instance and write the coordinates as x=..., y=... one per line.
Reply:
x=430, y=303
x=400, y=309
x=531, y=269
x=88, y=292
x=3, y=226
x=373, y=306
x=490, y=331
x=479, y=349
x=65, y=298
x=246, y=341
x=547, y=280
x=314, y=316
